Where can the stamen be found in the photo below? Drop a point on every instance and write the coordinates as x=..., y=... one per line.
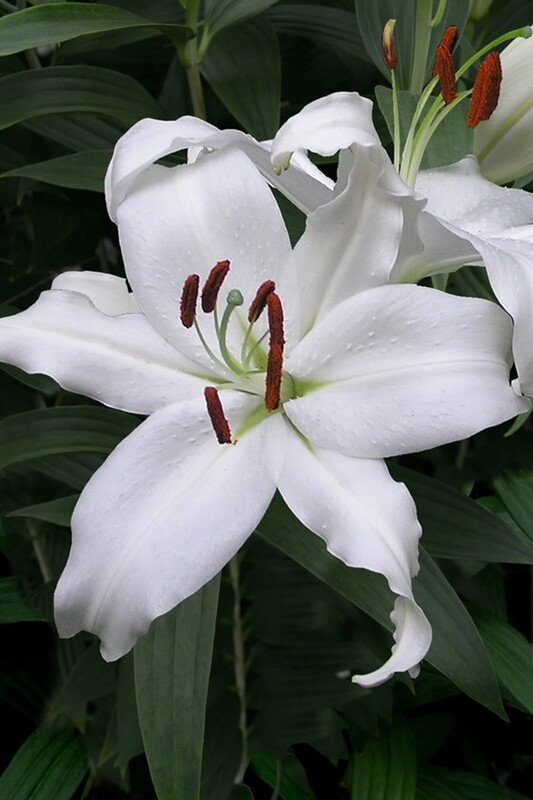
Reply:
x=189, y=296
x=445, y=70
x=273, y=376
x=388, y=49
x=257, y=306
x=216, y=415
x=486, y=91
x=212, y=285
x=449, y=37
x=275, y=320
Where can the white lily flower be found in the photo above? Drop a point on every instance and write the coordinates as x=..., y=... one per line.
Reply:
x=453, y=216
x=344, y=380
x=504, y=143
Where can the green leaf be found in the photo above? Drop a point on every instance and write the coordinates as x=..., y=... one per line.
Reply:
x=78, y=132
x=454, y=526
x=387, y=767
x=512, y=656
x=457, y=649
x=266, y=767
x=242, y=66
x=90, y=678
x=172, y=667
x=63, y=429
x=50, y=24
x=13, y=605
x=436, y=783
x=220, y=14
x=516, y=493
x=129, y=737
x=74, y=89
x=241, y=793
x=49, y=766
x=58, y=512
x=85, y=170
x=333, y=28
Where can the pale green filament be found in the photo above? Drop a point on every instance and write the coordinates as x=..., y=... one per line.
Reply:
x=249, y=347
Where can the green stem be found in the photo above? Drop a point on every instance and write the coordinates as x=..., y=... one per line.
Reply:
x=192, y=8
x=40, y=555
x=7, y=7
x=239, y=663
x=32, y=59
x=437, y=19
x=422, y=38
x=396, y=121
x=505, y=37
x=196, y=91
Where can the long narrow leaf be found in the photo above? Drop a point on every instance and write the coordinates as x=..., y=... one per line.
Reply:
x=48, y=766
x=172, y=666
x=59, y=22
x=64, y=429
x=74, y=89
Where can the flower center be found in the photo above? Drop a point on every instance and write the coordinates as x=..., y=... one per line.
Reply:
x=426, y=119
x=250, y=362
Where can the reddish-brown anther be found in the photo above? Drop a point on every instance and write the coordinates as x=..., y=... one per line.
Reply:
x=273, y=376
x=445, y=70
x=212, y=285
x=275, y=320
x=257, y=306
x=189, y=296
x=216, y=415
x=486, y=91
x=449, y=37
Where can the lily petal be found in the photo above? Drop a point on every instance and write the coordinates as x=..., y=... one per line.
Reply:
x=497, y=222
x=183, y=220
x=509, y=264
x=400, y=369
x=352, y=242
x=120, y=361
x=165, y=512
x=108, y=293
x=460, y=195
x=368, y=521
x=151, y=139
x=326, y=125
x=374, y=229
x=412, y=639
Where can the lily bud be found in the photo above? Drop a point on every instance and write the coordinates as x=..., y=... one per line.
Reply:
x=504, y=143
x=388, y=48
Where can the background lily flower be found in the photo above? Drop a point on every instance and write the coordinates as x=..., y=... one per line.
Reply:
x=504, y=143
x=453, y=217
x=346, y=380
